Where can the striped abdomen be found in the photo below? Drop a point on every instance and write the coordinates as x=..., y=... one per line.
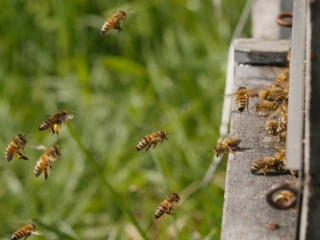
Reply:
x=242, y=99
x=144, y=143
x=163, y=208
x=107, y=26
x=256, y=165
x=11, y=150
x=25, y=231
x=281, y=80
x=41, y=164
x=48, y=123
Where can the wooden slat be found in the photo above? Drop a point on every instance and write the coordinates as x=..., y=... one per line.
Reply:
x=310, y=213
x=245, y=210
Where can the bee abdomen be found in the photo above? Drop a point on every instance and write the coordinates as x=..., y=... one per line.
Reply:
x=143, y=143
x=107, y=26
x=9, y=153
x=46, y=124
x=241, y=104
x=160, y=211
x=255, y=167
x=18, y=234
x=38, y=168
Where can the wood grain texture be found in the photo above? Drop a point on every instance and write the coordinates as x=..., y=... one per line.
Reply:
x=245, y=210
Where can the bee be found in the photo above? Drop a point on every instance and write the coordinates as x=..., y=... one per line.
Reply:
x=227, y=145
x=265, y=164
x=17, y=143
x=283, y=196
x=281, y=153
x=242, y=97
x=55, y=121
x=282, y=137
x=167, y=205
x=25, y=231
x=114, y=22
x=266, y=107
x=282, y=80
x=50, y=155
x=152, y=140
x=273, y=94
x=271, y=127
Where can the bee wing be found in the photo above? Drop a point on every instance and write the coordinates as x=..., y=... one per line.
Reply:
x=41, y=147
x=64, y=118
x=230, y=95
x=278, y=147
x=36, y=233
x=254, y=92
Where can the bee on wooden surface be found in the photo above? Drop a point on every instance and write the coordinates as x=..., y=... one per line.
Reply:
x=167, y=205
x=283, y=196
x=266, y=107
x=55, y=121
x=265, y=164
x=271, y=126
x=50, y=155
x=13, y=149
x=282, y=80
x=281, y=154
x=226, y=146
x=273, y=94
x=25, y=231
x=242, y=97
x=152, y=140
x=114, y=22
x=282, y=137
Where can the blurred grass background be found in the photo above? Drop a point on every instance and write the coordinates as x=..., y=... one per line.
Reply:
x=166, y=70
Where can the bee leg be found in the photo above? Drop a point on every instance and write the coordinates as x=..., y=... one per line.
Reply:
x=45, y=173
x=148, y=147
x=169, y=212
x=265, y=169
x=52, y=130
x=50, y=166
x=154, y=144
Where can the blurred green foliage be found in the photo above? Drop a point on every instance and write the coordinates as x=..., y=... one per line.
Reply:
x=166, y=70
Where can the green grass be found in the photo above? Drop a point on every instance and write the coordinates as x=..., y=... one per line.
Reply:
x=166, y=70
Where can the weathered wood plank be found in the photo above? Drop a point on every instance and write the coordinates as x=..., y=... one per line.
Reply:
x=245, y=209
x=310, y=213
x=258, y=52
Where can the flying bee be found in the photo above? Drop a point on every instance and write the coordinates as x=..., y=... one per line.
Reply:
x=271, y=127
x=152, y=140
x=50, y=155
x=25, y=231
x=265, y=164
x=282, y=80
x=114, y=22
x=272, y=94
x=13, y=149
x=55, y=121
x=242, y=97
x=167, y=205
x=226, y=146
x=266, y=107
